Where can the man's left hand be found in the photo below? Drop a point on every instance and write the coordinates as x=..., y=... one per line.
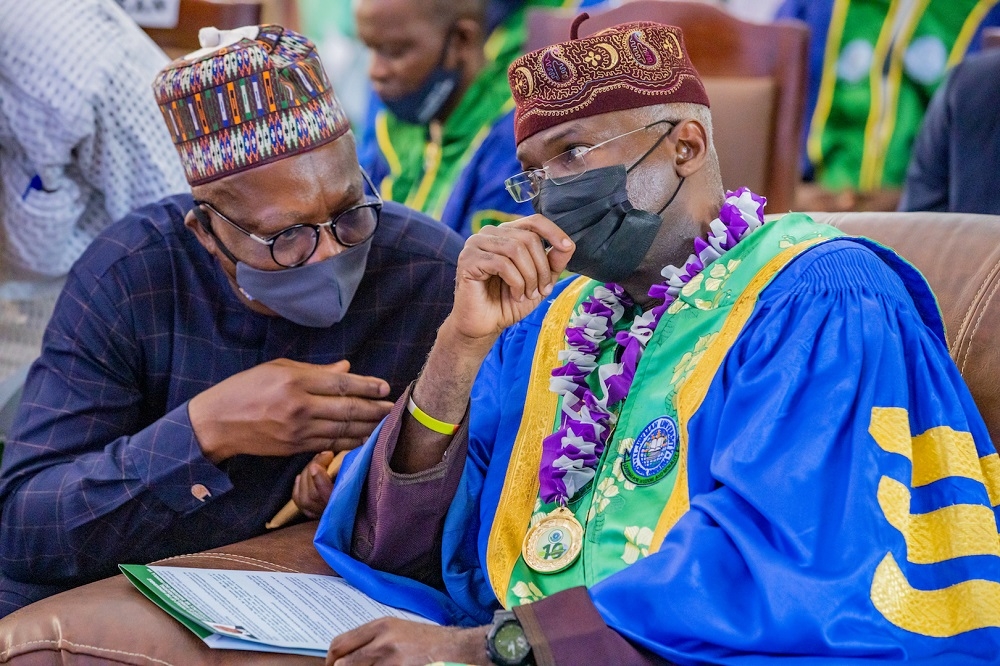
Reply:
x=313, y=486
x=396, y=642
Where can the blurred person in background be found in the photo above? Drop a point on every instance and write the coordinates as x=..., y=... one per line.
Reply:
x=440, y=130
x=81, y=144
x=440, y=137
x=956, y=156
x=874, y=67
x=330, y=25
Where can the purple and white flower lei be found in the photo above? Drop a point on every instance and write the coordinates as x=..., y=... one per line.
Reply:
x=571, y=453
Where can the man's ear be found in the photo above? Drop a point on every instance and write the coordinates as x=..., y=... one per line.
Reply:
x=466, y=42
x=198, y=223
x=690, y=148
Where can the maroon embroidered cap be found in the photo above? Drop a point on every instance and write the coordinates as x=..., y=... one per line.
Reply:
x=624, y=67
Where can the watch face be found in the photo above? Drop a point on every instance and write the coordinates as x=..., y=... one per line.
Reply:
x=510, y=642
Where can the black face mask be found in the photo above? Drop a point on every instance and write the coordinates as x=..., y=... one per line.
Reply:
x=611, y=235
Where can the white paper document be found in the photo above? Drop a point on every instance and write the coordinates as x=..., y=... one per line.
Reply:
x=264, y=611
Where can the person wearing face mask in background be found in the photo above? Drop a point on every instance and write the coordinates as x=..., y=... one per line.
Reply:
x=702, y=450
x=205, y=348
x=440, y=130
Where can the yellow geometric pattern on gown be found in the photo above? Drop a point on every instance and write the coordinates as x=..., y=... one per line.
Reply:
x=940, y=535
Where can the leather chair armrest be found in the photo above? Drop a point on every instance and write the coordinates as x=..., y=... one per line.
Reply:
x=109, y=621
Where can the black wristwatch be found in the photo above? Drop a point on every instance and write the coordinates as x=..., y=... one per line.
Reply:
x=506, y=643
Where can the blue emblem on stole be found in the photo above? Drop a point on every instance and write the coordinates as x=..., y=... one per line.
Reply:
x=654, y=452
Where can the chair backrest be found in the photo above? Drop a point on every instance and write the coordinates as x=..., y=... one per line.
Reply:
x=755, y=75
x=959, y=255
x=196, y=14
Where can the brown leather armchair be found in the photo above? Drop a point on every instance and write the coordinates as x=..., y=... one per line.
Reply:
x=110, y=622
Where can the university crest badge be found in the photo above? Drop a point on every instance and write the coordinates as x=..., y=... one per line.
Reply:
x=654, y=452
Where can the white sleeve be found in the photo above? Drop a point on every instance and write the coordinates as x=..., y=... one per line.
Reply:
x=76, y=110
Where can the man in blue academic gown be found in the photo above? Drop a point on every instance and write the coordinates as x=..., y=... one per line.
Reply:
x=730, y=442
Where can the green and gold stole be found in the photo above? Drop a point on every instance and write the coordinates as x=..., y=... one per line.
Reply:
x=625, y=521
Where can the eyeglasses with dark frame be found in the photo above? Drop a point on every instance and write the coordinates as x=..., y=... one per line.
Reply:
x=566, y=166
x=294, y=245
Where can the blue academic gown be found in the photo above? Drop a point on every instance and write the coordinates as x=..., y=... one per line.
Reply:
x=778, y=552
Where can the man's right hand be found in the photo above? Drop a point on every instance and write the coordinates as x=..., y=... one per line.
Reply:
x=504, y=272
x=284, y=407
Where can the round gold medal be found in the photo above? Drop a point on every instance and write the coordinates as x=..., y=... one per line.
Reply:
x=554, y=543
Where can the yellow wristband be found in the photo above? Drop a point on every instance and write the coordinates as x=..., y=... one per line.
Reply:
x=429, y=422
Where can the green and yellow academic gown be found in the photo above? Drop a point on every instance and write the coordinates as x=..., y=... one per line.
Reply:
x=874, y=66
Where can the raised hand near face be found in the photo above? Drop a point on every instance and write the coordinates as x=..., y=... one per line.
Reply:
x=505, y=271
